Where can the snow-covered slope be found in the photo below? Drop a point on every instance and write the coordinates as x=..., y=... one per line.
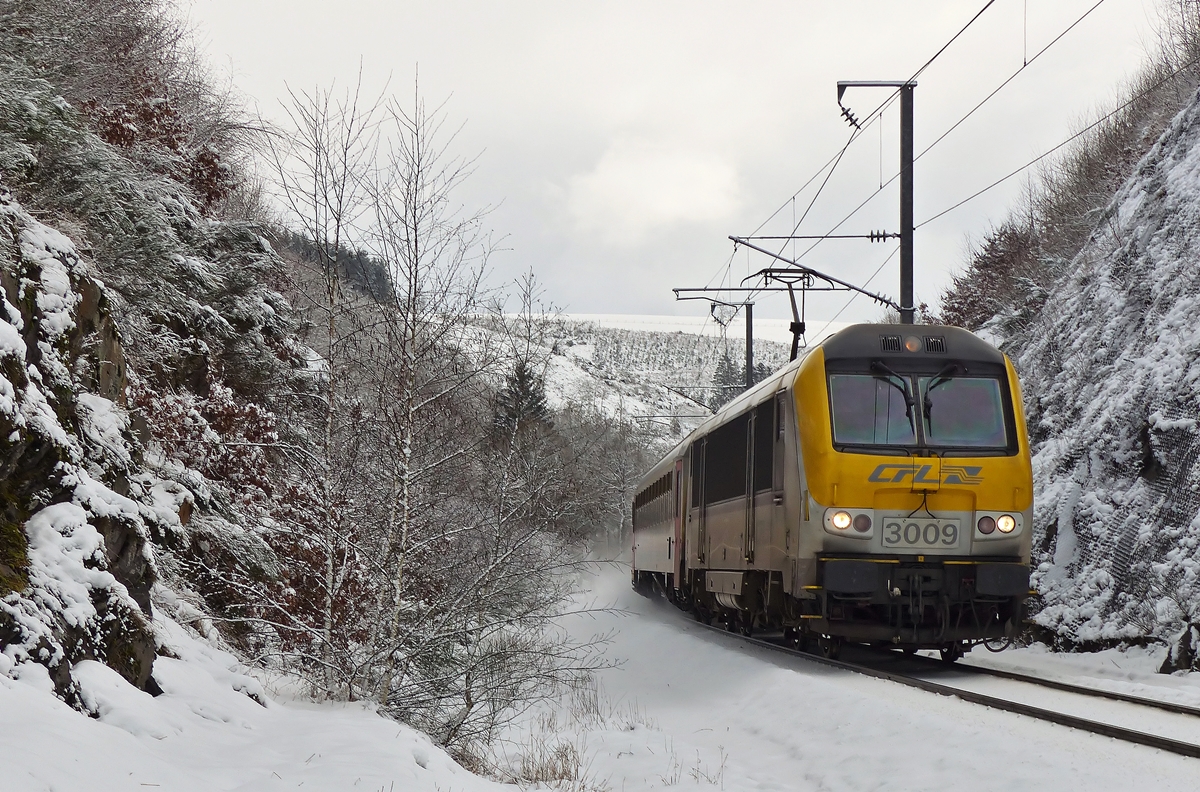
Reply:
x=642, y=373
x=1111, y=368
x=75, y=562
x=212, y=728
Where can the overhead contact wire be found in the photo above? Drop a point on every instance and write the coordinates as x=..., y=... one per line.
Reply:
x=873, y=117
x=1069, y=140
x=878, y=270
x=853, y=136
x=832, y=163
x=941, y=137
x=1011, y=77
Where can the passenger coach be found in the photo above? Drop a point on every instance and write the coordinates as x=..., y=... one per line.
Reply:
x=878, y=489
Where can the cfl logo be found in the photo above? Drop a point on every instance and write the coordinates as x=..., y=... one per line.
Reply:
x=923, y=474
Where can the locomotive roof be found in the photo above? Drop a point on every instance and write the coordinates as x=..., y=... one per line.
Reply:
x=867, y=341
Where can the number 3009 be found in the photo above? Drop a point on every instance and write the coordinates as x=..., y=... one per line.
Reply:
x=913, y=533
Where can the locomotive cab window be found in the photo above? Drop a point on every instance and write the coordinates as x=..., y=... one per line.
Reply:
x=888, y=410
x=963, y=412
x=870, y=410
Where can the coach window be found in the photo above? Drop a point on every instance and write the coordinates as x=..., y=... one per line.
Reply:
x=869, y=410
x=725, y=461
x=697, y=471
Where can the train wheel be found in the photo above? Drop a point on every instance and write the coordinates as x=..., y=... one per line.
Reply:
x=997, y=644
x=951, y=652
x=747, y=623
x=830, y=646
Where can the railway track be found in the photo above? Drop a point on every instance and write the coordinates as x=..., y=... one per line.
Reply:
x=1051, y=716
x=1166, y=706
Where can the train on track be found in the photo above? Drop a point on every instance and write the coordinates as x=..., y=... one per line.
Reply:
x=876, y=490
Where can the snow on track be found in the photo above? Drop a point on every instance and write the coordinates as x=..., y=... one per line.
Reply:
x=747, y=718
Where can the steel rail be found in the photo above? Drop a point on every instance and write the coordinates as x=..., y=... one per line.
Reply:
x=1062, y=719
x=1167, y=706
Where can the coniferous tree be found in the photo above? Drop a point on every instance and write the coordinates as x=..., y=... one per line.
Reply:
x=730, y=378
x=521, y=403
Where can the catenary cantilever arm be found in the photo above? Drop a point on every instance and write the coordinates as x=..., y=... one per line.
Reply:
x=879, y=298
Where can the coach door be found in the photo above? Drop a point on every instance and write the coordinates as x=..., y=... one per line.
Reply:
x=761, y=475
x=697, y=511
x=680, y=506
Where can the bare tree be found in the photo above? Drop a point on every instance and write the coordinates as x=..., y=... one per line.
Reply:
x=322, y=168
x=482, y=643
x=447, y=542
x=428, y=356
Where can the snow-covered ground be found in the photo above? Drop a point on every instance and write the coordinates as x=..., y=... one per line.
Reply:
x=213, y=728
x=692, y=708
x=684, y=707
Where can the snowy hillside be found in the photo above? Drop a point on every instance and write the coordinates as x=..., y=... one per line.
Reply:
x=643, y=373
x=1111, y=370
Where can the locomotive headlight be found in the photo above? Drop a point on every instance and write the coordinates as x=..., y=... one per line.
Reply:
x=841, y=520
x=912, y=344
x=996, y=525
x=862, y=523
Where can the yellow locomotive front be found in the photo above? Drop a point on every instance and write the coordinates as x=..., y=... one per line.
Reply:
x=917, y=488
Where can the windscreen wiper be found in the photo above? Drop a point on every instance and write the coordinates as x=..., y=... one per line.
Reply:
x=909, y=401
x=939, y=378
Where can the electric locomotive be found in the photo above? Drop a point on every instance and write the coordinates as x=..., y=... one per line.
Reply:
x=877, y=490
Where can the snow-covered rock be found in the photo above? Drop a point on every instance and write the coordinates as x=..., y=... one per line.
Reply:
x=1111, y=371
x=75, y=560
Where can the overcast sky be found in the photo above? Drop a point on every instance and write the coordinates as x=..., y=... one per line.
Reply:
x=623, y=142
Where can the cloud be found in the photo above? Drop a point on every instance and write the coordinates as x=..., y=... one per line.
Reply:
x=638, y=187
